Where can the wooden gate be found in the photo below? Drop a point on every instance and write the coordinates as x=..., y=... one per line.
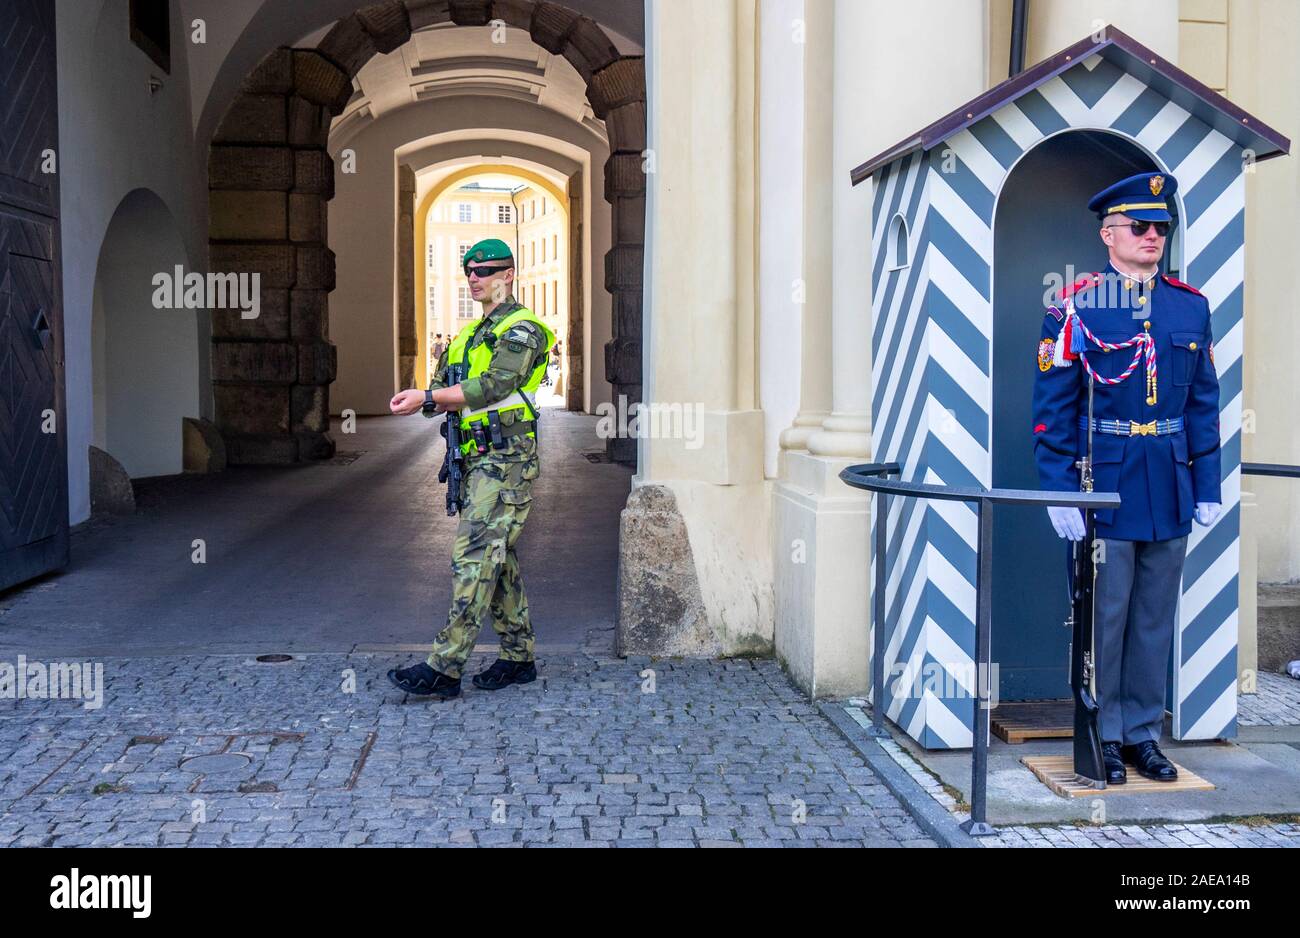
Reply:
x=33, y=430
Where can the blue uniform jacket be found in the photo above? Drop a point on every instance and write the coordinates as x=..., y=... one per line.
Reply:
x=1160, y=479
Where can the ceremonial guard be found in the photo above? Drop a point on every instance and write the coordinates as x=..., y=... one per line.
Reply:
x=1141, y=343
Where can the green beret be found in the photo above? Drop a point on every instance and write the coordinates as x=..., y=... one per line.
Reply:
x=493, y=249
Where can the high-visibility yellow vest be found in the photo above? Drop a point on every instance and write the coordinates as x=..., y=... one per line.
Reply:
x=480, y=357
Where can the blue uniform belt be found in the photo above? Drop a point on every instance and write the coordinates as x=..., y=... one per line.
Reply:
x=1133, y=428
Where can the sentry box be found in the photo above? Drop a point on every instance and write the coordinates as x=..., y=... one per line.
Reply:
x=971, y=217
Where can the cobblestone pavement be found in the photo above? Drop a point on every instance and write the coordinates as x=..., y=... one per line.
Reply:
x=1159, y=835
x=1277, y=702
x=595, y=753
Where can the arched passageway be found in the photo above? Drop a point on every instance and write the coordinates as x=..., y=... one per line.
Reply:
x=145, y=338
x=459, y=205
x=271, y=176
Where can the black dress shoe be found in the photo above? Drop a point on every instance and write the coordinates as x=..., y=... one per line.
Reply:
x=1116, y=774
x=1151, y=762
x=422, y=681
x=503, y=673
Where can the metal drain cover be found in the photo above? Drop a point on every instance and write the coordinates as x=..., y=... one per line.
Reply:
x=274, y=659
x=216, y=764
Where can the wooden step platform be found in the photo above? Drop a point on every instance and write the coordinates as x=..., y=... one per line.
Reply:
x=1034, y=719
x=1057, y=773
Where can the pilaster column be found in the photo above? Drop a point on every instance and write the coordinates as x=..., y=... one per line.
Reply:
x=809, y=29
x=847, y=431
x=698, y=214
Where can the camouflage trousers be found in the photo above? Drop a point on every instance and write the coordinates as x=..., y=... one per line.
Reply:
x=484, y=569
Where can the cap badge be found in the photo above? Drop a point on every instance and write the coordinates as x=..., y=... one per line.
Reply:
x=1157, y=183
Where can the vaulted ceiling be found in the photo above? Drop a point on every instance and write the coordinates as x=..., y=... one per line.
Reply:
x=446, y=60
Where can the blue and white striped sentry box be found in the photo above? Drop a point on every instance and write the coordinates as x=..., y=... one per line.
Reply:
x=934, y=201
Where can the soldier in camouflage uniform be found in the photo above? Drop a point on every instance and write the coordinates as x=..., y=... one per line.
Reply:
x=506, y=352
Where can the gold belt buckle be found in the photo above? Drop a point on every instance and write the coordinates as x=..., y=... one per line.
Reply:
x=1141, y=429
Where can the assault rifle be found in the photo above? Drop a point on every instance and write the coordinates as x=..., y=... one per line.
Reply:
x=452, y=472
x=1089, y=766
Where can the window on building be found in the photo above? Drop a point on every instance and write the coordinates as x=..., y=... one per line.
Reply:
x=555, y=295
x=464, y=303
x=462, y=251
x=555, y=246
x=504, y=216
x=464, y=213
x=429, y=262
x=896, y=246
x=533, y=208
x=151, y=30
x=543, y=250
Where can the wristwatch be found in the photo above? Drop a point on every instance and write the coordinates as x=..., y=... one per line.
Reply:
x=429, y=406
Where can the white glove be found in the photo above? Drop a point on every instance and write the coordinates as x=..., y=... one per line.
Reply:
x=1206, y=512
x=1067, y=521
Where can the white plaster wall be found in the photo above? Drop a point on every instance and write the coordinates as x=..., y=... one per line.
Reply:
x=223, y=22
x=362, y=224
x=146, y=359
x=1056, y=24
x=1264, y=78
x=115, y=137
x=922, y=60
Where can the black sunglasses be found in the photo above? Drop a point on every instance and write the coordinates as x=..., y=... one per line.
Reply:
x=1139, y=228
x=483, y=273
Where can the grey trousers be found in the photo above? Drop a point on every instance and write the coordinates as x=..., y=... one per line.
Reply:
x=1136, y=601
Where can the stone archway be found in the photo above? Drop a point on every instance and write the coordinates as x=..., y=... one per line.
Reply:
x=270, y=177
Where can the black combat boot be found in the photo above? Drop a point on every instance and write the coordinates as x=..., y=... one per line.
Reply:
x=503, y=673
x=421, y=680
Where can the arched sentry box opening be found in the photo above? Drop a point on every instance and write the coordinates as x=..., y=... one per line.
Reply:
x=1043, y=238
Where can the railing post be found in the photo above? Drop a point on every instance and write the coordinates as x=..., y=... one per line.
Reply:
x=878, y=621
x=978, y=825
x=864, y=477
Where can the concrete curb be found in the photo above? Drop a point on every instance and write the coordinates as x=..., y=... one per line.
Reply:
x=930, y=816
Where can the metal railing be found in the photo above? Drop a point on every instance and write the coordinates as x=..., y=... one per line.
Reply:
x=874, y=477
x=1270, y=469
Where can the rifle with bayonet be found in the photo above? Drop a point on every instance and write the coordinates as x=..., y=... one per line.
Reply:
x=1089, y=766
x=452, y=473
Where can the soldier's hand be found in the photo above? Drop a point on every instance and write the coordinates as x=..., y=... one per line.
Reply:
x=1068, y=522
x=405, y=403
x=1207, y=512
